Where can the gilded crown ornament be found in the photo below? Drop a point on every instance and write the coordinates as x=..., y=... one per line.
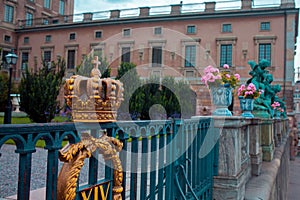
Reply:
x=93, y=99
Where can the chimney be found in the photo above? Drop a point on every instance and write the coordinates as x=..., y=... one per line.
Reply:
x=246, y=4
x=144, y=11
x=287, y=4
x=87, y=17
x=210, y=6
x=176, y=9
x=115, y=14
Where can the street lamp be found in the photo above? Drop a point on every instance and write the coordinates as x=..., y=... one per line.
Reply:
x=11, y=59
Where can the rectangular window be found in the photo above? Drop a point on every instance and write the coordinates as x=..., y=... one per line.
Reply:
x=191, y=29
x=29, y=19
x=9, y=14
x=125, y=54
x=71, y=59
x=72, y=36
x=157, y=31
x=226, y=54
x=61, y=7
x=98, y=34
x=126, y=32
x=47, y=56
x=226, y=28
x=156, y=56
x=48, y=38
x=45, y=21
x=7, y=39
x=26, y=40
x=47, y=3
x=265, y=26
x=190, y=56
x=264, y=52
x=24, y=61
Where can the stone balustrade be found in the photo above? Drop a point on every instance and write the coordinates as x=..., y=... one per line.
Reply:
x=251, y=158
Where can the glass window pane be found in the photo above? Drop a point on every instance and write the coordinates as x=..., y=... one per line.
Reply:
x=190, y=56
x=156, y=56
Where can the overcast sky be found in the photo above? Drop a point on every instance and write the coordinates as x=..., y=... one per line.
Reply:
x=82, y=6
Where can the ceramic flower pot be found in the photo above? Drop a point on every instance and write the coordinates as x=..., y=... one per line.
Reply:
x=221, y=99
x=246, y=105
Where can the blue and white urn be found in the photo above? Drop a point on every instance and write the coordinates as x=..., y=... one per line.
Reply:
x=246, y=105
x=221, y=99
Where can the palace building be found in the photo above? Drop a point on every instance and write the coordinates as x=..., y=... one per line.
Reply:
x=178, y=40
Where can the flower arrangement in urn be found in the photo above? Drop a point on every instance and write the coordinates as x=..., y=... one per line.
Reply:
x=249, y=91
x=221, y=84
x=277, y=109
x=213, y=75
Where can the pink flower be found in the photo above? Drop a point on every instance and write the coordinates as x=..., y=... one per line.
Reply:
x=237, y=76
x=225, y=66
x=227, y=76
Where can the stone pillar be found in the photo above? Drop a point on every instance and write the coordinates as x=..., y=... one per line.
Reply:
x=144, y=11
x=255, y=149
x=267, y=139
x=234, y=166
x=115, y=14
x=287, y=4
x=246, y=4
x=176, y=9
x=87, y=17
x=210, y=6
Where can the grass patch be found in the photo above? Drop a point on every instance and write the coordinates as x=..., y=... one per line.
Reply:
x=39, y=143
x=26, y=120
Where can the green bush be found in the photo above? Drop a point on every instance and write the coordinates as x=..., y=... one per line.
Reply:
x=39, y=91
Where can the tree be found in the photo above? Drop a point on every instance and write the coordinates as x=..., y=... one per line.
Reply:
x=4, y=89
x=133, y=98
x=39, y=91
x=85, y=68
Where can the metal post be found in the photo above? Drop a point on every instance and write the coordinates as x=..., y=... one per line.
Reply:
x=8, y=109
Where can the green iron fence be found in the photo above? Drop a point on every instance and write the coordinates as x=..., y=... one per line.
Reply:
x=160, y=158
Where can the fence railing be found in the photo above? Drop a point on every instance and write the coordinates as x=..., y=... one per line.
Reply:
x=160, y=159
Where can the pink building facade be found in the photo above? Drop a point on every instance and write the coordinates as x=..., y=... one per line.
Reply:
x=177, y=41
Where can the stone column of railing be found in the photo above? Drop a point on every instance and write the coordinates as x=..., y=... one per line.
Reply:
x=267, y=139
x=234, y=160
x=255, y=149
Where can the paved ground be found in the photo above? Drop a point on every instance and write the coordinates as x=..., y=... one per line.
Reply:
x=294, y=183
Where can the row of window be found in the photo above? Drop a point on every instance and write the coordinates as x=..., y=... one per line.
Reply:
x=9, y=12
x=190, y=55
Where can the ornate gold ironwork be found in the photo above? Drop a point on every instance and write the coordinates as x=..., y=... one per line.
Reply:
x=93, y=99
x=73, y=155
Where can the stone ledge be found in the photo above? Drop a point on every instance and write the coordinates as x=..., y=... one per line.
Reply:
x=260, y=187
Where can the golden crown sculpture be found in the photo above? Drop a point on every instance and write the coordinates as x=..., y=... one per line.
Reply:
x=93, y=99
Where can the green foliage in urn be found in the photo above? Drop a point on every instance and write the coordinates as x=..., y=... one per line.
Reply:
x=39, y=91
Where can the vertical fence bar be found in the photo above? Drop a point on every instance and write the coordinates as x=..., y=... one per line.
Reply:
x=195, y=157
x=24, y=174
x=161, y=166
x=134, y=165
x=169, y=168
x=93, y=162
x=188, y=135
x=153, y=166
x=123, y=156
x=144, y=165
x=52, y=173
x=108, y=166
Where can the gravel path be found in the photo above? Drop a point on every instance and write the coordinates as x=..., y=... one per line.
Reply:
x=9, y=163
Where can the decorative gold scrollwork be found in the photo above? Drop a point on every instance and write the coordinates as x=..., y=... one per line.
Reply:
x=73, y=157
